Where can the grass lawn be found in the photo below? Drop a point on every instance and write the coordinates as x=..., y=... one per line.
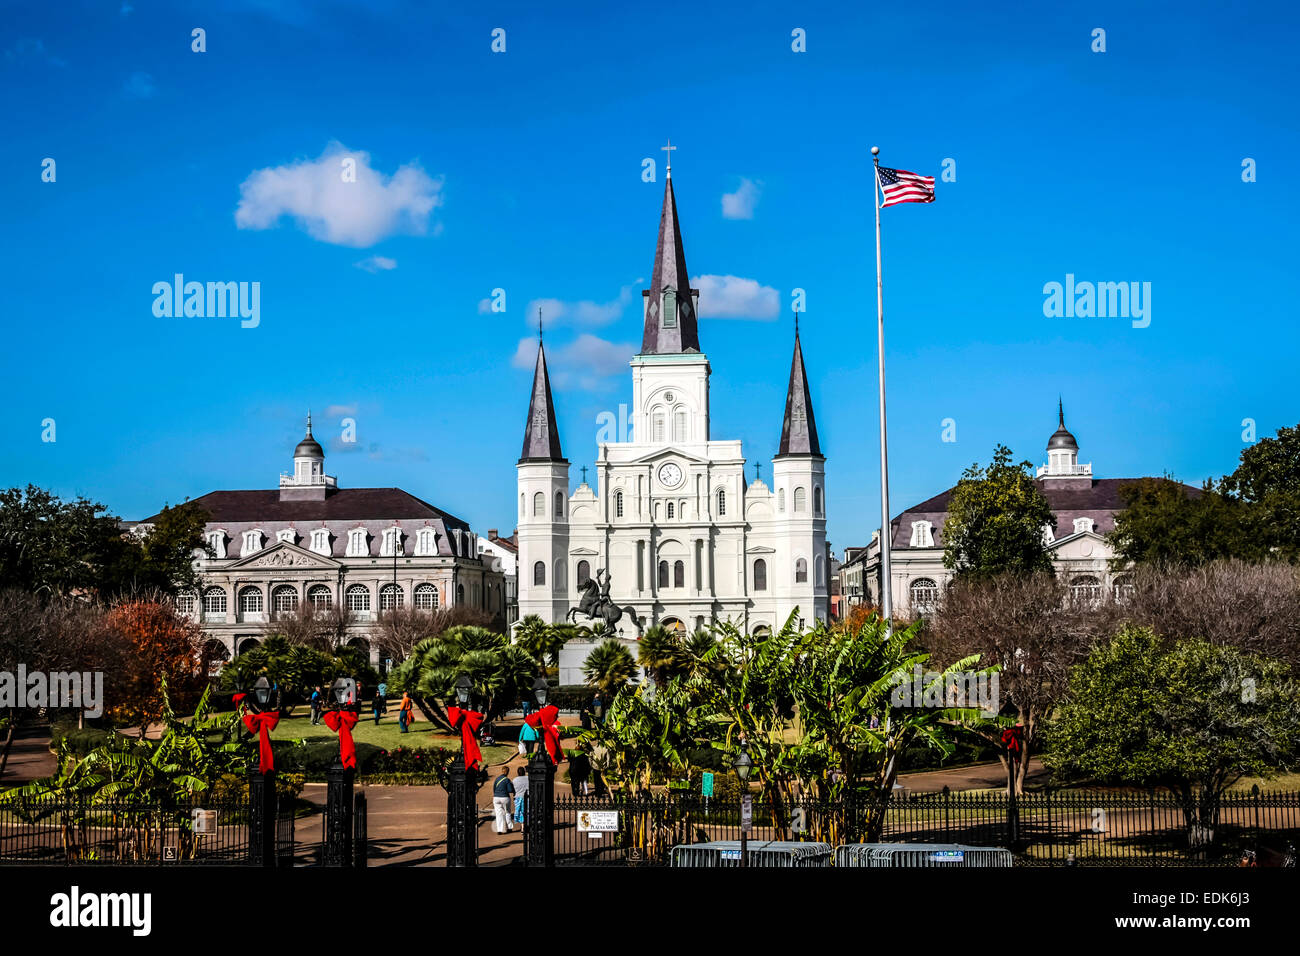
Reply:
x=386, y=734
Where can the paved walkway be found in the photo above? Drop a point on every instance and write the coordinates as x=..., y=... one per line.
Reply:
x=29, y=758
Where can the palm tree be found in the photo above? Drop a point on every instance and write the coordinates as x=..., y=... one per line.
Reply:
x=609, y=668
x=501, y=672
x=660, y=652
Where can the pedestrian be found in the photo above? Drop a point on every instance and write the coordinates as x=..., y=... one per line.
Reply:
x=598, y=708
x=503, y=792
x=526, y=706
x=380, y=705
x=527, y=739
x=521, y=792
x=383, y=688
x=404, y=712
x=580, y=772
x=315, y=705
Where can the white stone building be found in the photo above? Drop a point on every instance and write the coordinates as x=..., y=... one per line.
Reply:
x=310, y=541
x=686, y=539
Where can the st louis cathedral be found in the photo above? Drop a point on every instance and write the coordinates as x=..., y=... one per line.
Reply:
x=672, y=534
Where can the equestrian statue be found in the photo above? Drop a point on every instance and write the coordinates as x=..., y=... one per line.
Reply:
x=596, y=603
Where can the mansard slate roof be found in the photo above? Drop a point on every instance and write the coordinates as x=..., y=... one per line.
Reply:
x=799, y=427
x=344, y=504
x=541, y=434
x=1100, y=502
x=670, y=273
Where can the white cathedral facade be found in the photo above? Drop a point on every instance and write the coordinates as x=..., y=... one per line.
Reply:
x=685, y=540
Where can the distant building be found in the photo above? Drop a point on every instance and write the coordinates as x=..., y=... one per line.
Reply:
x=310, y=541
x=507, y=549
x=1085, y=509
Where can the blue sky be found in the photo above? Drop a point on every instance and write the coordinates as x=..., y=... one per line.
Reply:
x=522, y=171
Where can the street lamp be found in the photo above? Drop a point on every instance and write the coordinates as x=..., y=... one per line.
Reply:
x=742, y=765
x=261, y=782
x=463, y=687
x=540, y=689
x=262, y=692
x=462, y=804
x=539, y=801
x=344, y=690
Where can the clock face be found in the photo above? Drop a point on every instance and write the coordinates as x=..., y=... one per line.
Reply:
x=670, y=474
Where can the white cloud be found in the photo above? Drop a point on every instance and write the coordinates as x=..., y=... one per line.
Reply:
x=376, y=264
x=333, y=411
x=358, y=213
x=731, y=297
x=140, y=86
x=484, y=306
x=583, y=313
x=586, y=362
x=741, y=203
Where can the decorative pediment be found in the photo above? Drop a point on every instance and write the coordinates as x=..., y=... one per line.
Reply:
x=285, y=555
x=1084, y=544
x=584, y=552
x=667, y=451
x=760, y=549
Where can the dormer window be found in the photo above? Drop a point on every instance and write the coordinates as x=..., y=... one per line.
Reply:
x=288, y=535
x=922, y=535
x=252, y=542
x=426, y=542
x=1082, y=524
x=217, y=542
x=392, y=543
x=320, y=541
x=357, y=546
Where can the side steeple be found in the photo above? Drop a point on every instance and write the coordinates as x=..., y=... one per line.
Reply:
x=541, y=435
x=670, y=302
x=799, y=427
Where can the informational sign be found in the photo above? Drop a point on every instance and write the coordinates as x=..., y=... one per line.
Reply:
x=598, y=821
x=947, y=856
x=706, y=784
x=203, y=821
x=747, y=813
x=729, y=854
x=169, y=854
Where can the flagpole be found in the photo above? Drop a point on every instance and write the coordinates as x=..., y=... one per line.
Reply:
x=886, y=539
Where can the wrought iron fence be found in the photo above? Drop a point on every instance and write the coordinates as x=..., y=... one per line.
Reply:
x=1042, y=828
x=54, y=829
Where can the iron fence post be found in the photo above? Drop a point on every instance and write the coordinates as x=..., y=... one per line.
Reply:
x=338, y=815
x=262, y=810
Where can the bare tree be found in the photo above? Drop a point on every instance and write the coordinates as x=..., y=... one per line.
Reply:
x=323, y=629
x=400, y=629
x=1029, y=627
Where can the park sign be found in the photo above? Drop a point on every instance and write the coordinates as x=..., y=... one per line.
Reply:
x=598, y=821
x=706, y=784
x=203, y=821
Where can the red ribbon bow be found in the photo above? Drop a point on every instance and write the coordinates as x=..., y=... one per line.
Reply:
x=342, y=722
x=468, y=734
x=261, y=724
x=550, y=731
x=1011, y=739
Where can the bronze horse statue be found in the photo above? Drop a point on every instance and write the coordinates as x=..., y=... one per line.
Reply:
x=595, y=603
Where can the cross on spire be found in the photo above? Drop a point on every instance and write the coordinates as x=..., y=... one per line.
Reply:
x=539, y=323
x=758, y=467
x=584, y=474
x=669, y=150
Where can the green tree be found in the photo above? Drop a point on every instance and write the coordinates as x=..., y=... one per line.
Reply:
x=1267, y=483
x=1164, y=522
x=661, y=655
x=995, y=521
x=501, y=672
x=609, y=668
x=1190, y=716
x=294, y=669
x=543, y=641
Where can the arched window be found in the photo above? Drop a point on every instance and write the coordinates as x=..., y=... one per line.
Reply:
x=186, y=601
x=284, y=599
x=214, y=602
x=800, y=500
x=390, y=597
x=663, y=574
x=722, y=502
x=925, y=594
x=320, y=597
x=801, y=571
x=521, y=504
x=539, y=574
x=679, y=574
x=250, y=600
x=426, y=597
x=584, y=573
x=1123, y=588
x=671, y=510
x=618, y=504
x=657, y=430
x=821, y=571
x=760, y=575
x=559, y=504
x=1085, y=589
x=460, y=589
x=539, y=505
x=817, y=500
x=780, y=500
x=679, y=425
x=761, y=630
x=358, y=597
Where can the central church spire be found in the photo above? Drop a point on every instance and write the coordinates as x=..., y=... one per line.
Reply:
x=541, y=435
x=670, y=302
x=799, y=427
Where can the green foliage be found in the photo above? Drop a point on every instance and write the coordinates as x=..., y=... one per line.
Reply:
x=295, y=669
x=1191, y=716
x=1267, y=483
x=1164, y=522
x=501, y=673
x=609, y=668
x=995, y=521
x=543, y=641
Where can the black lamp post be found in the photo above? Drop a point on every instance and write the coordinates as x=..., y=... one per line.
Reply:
x=462, y=805
x=742, y=765
x=338, y=789
x=540, y=800
x=261, y=787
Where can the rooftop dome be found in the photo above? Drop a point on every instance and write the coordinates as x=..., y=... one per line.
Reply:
x=309, y=447
x=1061, y=438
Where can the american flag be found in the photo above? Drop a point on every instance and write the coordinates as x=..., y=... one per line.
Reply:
x=899, y=185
